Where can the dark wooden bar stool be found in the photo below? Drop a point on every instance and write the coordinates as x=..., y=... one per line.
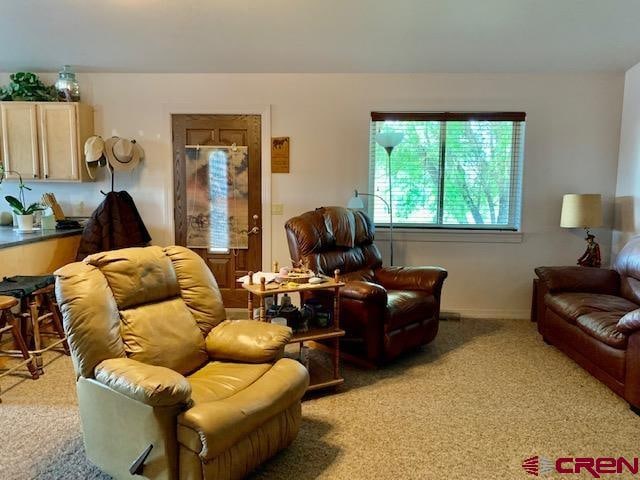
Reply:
x=41, y=309
x=38, y=310
x=9, y=323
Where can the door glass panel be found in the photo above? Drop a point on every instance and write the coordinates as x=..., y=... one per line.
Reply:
x=217, y=197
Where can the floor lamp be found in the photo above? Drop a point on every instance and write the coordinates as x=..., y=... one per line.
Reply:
x=388, y=141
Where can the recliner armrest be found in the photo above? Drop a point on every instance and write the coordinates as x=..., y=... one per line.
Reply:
x=247, y=341
x=365, y=292
x=579, y=279
x=630, y=322
x=149, y=384
x=429, y=279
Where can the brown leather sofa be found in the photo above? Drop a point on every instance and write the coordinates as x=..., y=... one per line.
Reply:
x=385, y=311
x=593, y=315
x=158, y=366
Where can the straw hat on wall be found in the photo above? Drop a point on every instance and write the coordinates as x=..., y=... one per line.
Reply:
x=122, y=154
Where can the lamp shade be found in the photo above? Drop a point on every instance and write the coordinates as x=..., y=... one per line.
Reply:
x=581, y=210
x=355, y=202
x=389, y=139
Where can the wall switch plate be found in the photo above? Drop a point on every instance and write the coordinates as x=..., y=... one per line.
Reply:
x=277, y=209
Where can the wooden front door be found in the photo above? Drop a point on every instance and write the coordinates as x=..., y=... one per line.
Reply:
x=242, y=134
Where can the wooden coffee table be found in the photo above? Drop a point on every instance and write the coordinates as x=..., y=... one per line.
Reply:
x=321, y=376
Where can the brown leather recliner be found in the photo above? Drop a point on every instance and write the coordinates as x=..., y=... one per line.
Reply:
x=593, y=316
x=385, y=311
x=158, y=366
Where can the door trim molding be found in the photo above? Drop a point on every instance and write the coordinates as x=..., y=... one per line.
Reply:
x=265, y=131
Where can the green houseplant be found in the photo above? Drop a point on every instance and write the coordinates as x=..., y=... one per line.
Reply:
x=27, y=87
x=23, y=212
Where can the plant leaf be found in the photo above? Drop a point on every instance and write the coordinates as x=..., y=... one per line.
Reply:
x=15, y=204
x=33, y=208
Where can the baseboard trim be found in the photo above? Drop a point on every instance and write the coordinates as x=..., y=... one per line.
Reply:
x=450, y=314
x=487, y=314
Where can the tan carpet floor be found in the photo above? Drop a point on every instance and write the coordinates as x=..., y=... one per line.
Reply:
x=472, y=405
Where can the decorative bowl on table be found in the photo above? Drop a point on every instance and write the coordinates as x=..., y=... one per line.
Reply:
x=296, y=276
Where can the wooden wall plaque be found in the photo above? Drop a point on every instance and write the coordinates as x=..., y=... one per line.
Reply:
x=280, y=155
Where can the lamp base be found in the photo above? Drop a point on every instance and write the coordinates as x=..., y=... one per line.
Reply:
x=591, y=256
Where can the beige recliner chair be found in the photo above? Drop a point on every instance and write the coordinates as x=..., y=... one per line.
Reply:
x=167, y=387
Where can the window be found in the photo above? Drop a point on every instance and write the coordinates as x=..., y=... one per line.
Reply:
x=451, y=170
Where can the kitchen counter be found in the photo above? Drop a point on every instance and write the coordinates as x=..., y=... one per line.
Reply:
x=11, y=238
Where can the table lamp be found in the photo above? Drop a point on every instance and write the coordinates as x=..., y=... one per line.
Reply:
x=584, y=211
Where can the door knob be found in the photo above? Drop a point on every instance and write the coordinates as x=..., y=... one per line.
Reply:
x=256, y=229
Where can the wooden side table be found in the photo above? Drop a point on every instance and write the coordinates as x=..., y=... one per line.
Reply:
x=321, y=377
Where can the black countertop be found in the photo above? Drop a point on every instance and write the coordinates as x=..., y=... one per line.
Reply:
x=11, y=238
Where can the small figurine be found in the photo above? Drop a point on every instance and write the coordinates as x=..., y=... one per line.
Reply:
x=591, y=256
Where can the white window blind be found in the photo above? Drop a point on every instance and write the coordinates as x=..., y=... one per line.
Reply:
x=451, y=170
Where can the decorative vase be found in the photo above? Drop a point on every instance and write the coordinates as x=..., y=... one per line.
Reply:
x=67, y=85
x=6, y=219
x=25, y=222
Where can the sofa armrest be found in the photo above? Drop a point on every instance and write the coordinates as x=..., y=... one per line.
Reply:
x=428, y=279
x=149, y=384
x=365, y=292
x=247, y=341
x=629, y=322
x=579, y=279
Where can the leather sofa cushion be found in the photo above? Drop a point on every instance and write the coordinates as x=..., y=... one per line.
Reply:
x=341, y=225
x=584, y=348
x=149, y=384
x=364, y=275
x=630, y=288
x=602, y=327
x=91, y=317
x=333, y=237
x=570, y=306
x=326, y=228
x=405, y=307
x=247, y=341
x=428, y=279
x=579, y=279
x=219, y=380
x=347, y=260
x=365, y=292
x=210, y=428
x=164, y=334
x=627, y=264
x=137, y=275
x=198, y=288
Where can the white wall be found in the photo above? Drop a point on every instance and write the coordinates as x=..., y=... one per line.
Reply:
x=572, y=138
x=627, y=204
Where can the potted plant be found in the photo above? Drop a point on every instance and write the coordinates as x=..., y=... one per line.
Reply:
x=27, y=87
x=22, y=212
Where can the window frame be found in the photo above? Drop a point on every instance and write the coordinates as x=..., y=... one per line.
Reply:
x=448, y=231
